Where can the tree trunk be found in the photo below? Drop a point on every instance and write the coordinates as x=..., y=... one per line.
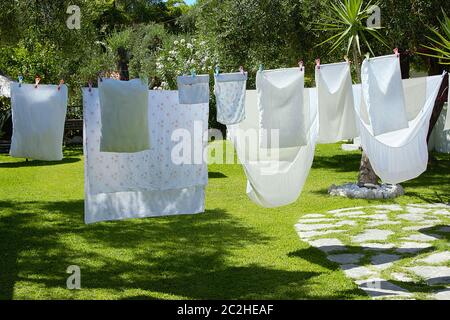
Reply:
x=122, y=64
x=366, y=173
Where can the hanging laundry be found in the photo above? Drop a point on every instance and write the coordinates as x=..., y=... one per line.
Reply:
x=229, y=90
x=383, y=95
x=283, y=118
x=5, y=87
x=337, y=120
x=193, y=89
x=152, y=182
x=38, y=115
x=401, y=155
x=447, y=118
x=274, y=177
x=124, y=115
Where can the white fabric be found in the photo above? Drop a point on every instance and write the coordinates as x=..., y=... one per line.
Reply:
x=229, y=90
x=193, y=89
x=141, y=204
x=274, y=179
x=145, y=184
x=283, y=119
x=38, y=116
x=401, y=155
x=124, y=115
x=5, y=87
x=447, y=118
x=440, y=139
x=383, y=94
x=337, y=120
x=151, y=169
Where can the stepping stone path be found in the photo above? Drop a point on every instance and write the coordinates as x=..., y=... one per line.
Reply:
x=390, y=251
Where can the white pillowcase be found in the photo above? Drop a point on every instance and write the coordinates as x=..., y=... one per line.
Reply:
x=383, y=94
x=280, y=102
x=38, y=116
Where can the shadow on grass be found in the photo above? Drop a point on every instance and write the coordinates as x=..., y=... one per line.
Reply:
x=433, y=186
x=216, y=175
x=37, y=163
x=188, y=256
x=339, y=162
x=318, y=257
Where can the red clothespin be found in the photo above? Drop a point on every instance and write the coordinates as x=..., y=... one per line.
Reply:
x=300, y=65
x=61, y=82
x=36, y=81
x=396, y=52
x=241, y=69
x=90, y=85
x=318, y=63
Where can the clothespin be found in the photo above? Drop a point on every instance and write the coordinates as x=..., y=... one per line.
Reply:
x=367, y=55
x=20, y=81
x=261, y=67
x=396, y=52
x=347, y=59
x=193, y=73
x=217, y=70
x=300, y=65
x=100, y=75
x=318, y=63
x=61, y=82
x=90, y=85
x=36, y=81
x=241, y=69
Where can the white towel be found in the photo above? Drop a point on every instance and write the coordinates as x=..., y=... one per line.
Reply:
x=193, y=89
x=148, y=183
x=274, y=179
x=283, y=119
x=383, y=95
x=229, y=90
x=38, y=116
x=124, y=115
x=337, y=120
x=401, y=155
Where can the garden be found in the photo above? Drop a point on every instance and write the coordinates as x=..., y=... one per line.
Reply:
x=322, y=245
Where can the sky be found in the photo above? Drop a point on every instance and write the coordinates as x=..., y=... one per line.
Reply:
x=190, y=1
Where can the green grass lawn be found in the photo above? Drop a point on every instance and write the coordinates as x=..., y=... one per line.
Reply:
x=235, y=250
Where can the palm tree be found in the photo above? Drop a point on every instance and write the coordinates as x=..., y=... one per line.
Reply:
x=347, y=20
x=439, y=49
x=440, y=43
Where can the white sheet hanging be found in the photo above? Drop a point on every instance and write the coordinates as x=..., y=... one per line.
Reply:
x=401, y=155
x=277, y=178
x=124, y=115
x=5, y=87
x=447, y=118
x=283, y=120
x=337, y=119
x=38, y=116
x=383, y=96
x=148, y=183
x=151, y=169
x=229, y=90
